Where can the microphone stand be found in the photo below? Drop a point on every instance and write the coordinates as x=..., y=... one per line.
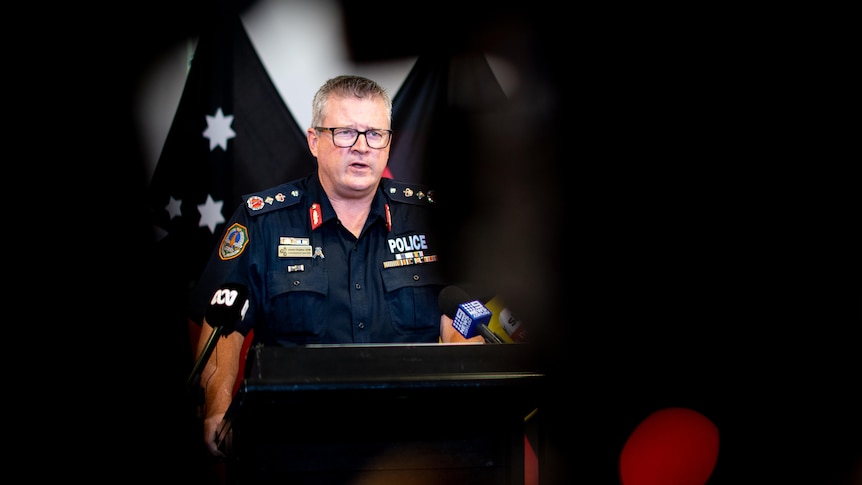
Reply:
x=194, y=379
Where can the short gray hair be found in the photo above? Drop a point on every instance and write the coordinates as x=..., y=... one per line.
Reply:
x=348, y=85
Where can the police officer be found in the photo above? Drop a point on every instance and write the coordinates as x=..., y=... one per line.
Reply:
x=340, y=256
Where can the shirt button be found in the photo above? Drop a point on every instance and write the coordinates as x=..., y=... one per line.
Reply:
x=295, y=282
x=416, y=277
x=358, y=286
x=361, y=325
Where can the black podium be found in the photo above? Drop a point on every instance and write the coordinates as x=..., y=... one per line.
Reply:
x=382, y=414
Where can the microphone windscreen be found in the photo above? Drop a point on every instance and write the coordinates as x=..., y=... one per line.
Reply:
x=449, y=299
x=505, y=323
x=227, y=306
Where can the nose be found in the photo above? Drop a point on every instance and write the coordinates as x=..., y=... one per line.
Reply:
x=364, y=140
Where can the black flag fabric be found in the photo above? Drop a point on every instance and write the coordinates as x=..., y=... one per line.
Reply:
x=441, y=91
x=232, y=134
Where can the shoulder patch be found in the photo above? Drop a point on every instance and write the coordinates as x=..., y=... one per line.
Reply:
x=409, y=193
x=268, y=200
x=233, y=243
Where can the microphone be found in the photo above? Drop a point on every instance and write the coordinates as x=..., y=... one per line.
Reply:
x=506, y=322
x=469, y=316
x=227, y=308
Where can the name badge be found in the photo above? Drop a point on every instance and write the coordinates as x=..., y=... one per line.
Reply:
x=289, y=251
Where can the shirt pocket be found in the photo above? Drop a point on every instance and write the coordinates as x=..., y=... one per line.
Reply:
x=411, y=294
x=295, y=304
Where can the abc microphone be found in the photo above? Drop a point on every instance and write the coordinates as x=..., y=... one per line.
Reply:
x=227, y=308
x=469, y=316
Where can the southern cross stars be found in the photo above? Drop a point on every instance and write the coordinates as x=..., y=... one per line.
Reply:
x=210, y=213
x=218, y=130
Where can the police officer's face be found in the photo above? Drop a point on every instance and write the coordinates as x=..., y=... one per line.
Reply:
x=356, y=170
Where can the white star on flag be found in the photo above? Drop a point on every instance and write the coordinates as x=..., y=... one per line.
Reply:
x=218, y=130
x=210, y=213
x=173, y=208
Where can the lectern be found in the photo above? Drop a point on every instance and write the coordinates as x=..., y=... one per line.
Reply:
x=382, y=414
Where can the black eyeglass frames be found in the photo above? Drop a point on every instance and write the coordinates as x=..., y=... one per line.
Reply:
x=346, y=137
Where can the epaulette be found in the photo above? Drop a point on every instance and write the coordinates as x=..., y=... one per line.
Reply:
x=268, y=200
x=407, y=192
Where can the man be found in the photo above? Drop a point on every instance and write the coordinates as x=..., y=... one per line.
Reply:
x=340, y=256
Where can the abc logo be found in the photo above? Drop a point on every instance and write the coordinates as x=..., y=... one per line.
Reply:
x=224, y=296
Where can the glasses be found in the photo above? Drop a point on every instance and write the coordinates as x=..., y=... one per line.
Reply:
x=346, y=137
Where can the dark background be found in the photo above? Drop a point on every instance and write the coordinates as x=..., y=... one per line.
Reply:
x=694, y=211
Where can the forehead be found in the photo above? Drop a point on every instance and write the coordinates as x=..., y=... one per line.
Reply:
x=353, y=111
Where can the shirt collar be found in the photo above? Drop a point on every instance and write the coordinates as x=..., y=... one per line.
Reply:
x=318, y=195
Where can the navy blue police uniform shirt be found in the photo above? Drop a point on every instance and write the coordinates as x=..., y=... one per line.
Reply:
x=311, y=281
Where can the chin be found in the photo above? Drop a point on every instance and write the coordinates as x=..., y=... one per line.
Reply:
x=362, y=182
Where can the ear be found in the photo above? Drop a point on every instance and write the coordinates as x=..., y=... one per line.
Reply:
x=313, y=138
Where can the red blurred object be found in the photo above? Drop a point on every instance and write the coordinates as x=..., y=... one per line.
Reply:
x=531, y=463
x=672, y=446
